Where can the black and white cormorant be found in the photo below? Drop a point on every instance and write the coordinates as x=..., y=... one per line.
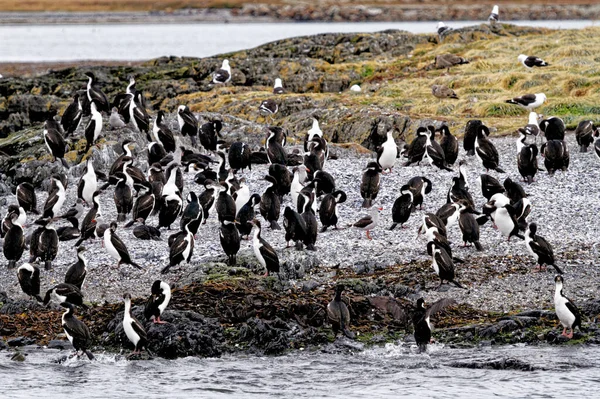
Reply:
x=416, y=149
x=471, y=130
x=64, y=292
x=338, y=314
x=188, y=124
x=77, y=272
x=566, y=311
x=585, y=134
x=180, y=249
x=402, y=207
x=54, y=141
x=210, y=133
x=88, y=225
x=527, y=162
x=56, y=198
x=160, y=296
x=268, y=108
x=240, y=156
x=490, y=186
x=486, y=151
x=270, y=204
x=264, y=252
x=556, y=155
x=295, y=227
x=68, y=233
x=116, y=248
x=369, y=187
x=44, y=243
x=328, y=211
x=442, y=264
x=145, y=232
x=230, y=240
x=14, y=242
x=134, y=330
x=93, y=128
x=469, y=226
x=419, y=186
x=554, y=128
x=76, y=331
x=387, y=153
x=123, y=197
x=312, y=227
x=29, y=280
x=283, y=179
x=434, y=154
x=26, y=197
x=275, y=151
x=421, y=322
x=225, y=205
x=163, y=134
x=246, y=215
x=314, y=131
x=540, y=249
x=95, y=95
x=449, y=145
x=88, y=183
x=71, y=118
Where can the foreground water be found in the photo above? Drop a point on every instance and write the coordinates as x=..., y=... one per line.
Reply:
x=39, y=43
x=390, y=371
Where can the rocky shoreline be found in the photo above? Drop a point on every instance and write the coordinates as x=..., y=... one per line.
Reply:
x=254, y=13
x=219, y=309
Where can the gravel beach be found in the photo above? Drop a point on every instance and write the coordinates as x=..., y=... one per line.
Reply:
x=499, y=279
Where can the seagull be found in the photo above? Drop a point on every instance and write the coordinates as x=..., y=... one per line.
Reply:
x=493, y=18
x=222, y=75
x=530, y=61
x=529, y=101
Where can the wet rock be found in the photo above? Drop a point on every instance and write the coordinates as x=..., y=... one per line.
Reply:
x=269, y=337
x=20, y=341
x=3, y=345
x=186, y=333
x=18, y=357
x=495, y=364
x=59, y=344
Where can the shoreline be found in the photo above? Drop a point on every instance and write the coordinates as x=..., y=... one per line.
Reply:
x=267, y=13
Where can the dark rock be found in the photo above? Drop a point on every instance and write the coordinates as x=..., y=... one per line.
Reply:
x=495, y=364
x=500, y=327
x=310, y=285
x=20, y=341
x=591, y=308
x=3, y=345
x=59, y=344
x=269, y=337
x=186, y=333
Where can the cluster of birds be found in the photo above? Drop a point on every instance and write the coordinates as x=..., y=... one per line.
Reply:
x=159, y=191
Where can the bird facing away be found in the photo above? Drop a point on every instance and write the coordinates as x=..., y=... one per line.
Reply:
x=441, y=91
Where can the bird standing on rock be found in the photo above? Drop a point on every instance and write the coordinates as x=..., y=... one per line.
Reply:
x=264, y=252
x=14, y=242
x=158, y=301
x=188, y=124
x=77, y=272
x=223, y=74
x=566, y=311
x=133, y=329
x=55, y=141
x=338, y=314
x=387, y=153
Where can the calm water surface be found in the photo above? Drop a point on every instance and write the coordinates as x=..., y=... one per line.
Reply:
x=25, y=43
x=390, y=371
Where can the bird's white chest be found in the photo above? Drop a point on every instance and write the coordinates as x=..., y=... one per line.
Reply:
x=110, y=248
x=452, y=219
x=528, y=241
x=188, y=246
x=98, y=125
x=435, y=265
x=69, y=337
x=389, y=154
x=89, y=187
x=504, y=222
x=256, y=245
x=129, y=331
x=562, y=312
x=180, y=122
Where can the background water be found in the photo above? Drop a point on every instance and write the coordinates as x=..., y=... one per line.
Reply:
x=390, y=371
x=26, y=43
